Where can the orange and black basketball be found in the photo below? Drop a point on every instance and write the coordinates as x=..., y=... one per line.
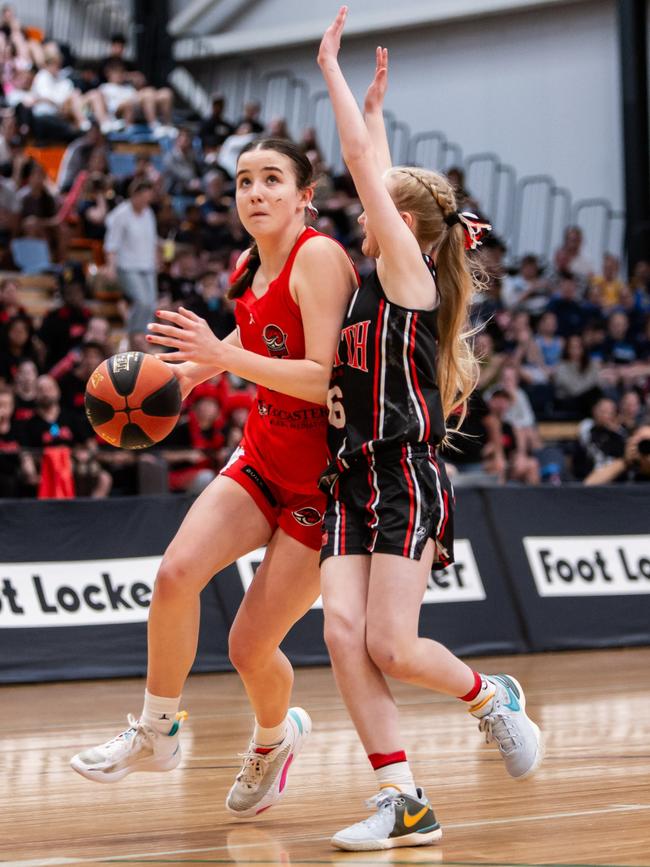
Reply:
x=133, y=400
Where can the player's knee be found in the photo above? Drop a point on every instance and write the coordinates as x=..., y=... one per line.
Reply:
x=245, y=653
x=174, y=578
x=390, y=657
x=343, y=636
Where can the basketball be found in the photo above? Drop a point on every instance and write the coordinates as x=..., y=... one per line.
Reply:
x=132, y=400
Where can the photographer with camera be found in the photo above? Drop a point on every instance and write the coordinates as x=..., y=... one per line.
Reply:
x=634, y=466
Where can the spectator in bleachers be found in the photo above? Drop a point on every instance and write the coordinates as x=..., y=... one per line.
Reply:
x=233, y=146
x=51, y=424
x=215, y=129
x=197, y=444
x=123, y=101
x=567, y=308
x=547, y=339
x=642, y=345
x=64, y=327
x=10, y=305
x=569, y=258
x=55, y=94
x=93, y=207
x=308, y=144
x=277, y=128
x=183, y=274
x=609, y=281
x=520, y=413
x=34, y=197
x=182, y=169
x=618, y=347
x=73, y=383
x=464, y=200
x=131, y=258
x=17, y=343
x=487, y=304
x=576, y=379
x=630, y=411
x=478, y=448
x=97, y=332
x=212, y=305
x=85, y=76
x=116, y=51
x=520, y=465
x=251, y=117
x=527, y=289
x=17, y=469
x=490, y=361
x=632, y=466
x=144, y=170
x=628, y=304
x=9, y=204
x=535, y=374
x=25, y=390
x=214, y=209
x=601, y=439
x=640, y=280
x=77, y=156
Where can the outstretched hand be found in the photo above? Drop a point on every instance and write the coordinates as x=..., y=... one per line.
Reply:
x=375, y=95
x=189, y=335
x=331, y=42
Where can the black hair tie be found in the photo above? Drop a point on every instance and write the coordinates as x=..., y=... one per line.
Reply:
x=452, y=219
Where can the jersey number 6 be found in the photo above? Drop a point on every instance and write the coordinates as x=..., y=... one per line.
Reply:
x=337, y=413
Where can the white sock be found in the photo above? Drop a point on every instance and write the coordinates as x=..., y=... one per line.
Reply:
x=398, y=776
x=482, y=703
x=263, y=737
x=159, y=712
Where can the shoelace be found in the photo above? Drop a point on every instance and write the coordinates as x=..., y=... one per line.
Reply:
x=135, y=733
x=499, y=728
x=380, y=801
x=253, y=768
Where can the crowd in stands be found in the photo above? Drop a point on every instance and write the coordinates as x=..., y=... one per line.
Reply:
x=564, y=342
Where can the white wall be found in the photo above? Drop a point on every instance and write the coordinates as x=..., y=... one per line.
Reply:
x=540, y=88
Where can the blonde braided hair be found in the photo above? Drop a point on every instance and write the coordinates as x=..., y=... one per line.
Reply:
x=413, y=189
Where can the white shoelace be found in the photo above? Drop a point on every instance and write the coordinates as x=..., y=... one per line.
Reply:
x=129, y=738
x=253, y=768
x=500, y=729
x=381, y=801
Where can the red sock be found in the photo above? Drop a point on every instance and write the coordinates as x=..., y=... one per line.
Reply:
x=474, y=691
x=380, y=760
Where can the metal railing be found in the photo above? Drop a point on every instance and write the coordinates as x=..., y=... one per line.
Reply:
x=86, y=25
x=529, y=213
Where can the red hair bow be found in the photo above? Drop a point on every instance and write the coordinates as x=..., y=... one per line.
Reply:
x=473, y=228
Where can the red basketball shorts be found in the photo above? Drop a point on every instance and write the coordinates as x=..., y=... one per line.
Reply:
x=299, y=515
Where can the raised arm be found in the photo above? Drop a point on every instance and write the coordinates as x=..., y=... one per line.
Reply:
x=402, y=264
x=373, y=111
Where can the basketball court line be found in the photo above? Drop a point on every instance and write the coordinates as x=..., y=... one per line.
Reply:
x=160, y=856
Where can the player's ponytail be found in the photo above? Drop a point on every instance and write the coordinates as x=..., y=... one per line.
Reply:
x=430, y=198
x=242, y=277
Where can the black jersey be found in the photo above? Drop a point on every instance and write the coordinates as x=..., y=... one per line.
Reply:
x=383, y=391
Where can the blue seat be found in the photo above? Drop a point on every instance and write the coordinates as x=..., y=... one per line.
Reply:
x=32, y=255
x=121, y=165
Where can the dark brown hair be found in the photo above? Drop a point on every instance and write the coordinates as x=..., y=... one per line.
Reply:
x=304, y=175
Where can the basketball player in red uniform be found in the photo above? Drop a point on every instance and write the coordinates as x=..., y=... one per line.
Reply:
x=292, y=288
x=402, y=367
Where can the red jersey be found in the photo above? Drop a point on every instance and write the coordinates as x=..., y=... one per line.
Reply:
x=287, y=435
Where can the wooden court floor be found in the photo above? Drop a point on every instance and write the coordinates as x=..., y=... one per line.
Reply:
x=589, y=803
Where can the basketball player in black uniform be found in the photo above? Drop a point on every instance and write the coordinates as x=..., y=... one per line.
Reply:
x=403, y=367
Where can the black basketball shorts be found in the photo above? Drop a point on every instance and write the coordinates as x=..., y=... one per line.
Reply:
x=392, y=505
